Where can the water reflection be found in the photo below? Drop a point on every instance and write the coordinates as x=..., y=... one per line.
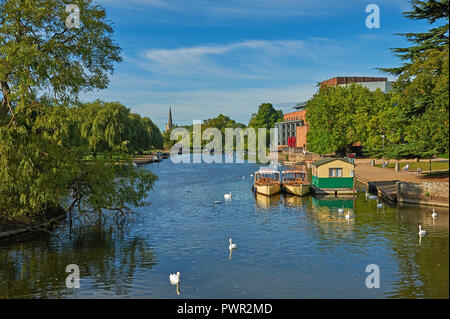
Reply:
x=333, y=203
x=107, y=260
x=295, y=201
x=266, y=202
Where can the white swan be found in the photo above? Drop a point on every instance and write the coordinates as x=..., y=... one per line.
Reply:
x=368, y=196
x=232, y=246
x=379, y=205
x=347, y=216
x=434, y=215
x=227, y=196
x=422, y=231
x=174, y=278
x=341, y=210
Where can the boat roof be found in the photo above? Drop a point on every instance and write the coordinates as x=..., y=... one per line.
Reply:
x=331, y=159
x=266, y=171
x=294, y=171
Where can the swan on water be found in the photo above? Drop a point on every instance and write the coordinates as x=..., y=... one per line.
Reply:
x=227, y=196
x=422, y=231
x=232, y=246
x=434, y=215
x=347, y=216
x=174, y=278
x=341, y=210
x=368, y=196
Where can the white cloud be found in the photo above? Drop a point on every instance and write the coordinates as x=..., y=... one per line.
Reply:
x=256, y=59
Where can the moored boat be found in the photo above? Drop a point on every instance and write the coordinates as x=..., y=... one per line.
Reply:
x=267, y=182
x=295, y=182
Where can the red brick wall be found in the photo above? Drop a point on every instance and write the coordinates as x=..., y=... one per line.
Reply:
x=301, y=136
x=299, y=115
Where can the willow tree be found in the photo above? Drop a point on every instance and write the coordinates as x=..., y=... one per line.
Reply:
x=44, y=65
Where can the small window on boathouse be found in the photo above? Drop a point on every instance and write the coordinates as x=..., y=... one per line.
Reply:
x=335, y=172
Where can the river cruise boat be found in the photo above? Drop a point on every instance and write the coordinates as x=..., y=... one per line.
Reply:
x=295, y=181
x=267, y=182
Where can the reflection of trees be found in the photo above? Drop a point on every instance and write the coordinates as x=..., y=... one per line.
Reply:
x=37, y=268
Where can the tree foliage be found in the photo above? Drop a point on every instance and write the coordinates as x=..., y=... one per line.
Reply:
x=434, y=12
x=266, y=117
x=43, y=67
x=343, y=115
x=413, y=118
x=110, y=126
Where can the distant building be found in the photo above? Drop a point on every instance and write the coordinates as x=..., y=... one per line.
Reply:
x=292, y=131
x=169, y=124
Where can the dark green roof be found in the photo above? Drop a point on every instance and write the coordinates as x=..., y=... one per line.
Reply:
x=330, y=159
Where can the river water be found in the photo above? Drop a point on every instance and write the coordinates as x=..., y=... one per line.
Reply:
x=288, y=247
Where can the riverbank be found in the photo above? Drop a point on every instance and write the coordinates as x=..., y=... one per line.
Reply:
x=404, y=186
x=407, y=186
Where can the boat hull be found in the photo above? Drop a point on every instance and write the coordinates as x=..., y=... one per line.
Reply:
x=268, y=190
x=299, y=190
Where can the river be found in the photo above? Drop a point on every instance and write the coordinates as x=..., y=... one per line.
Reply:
x=288, y=247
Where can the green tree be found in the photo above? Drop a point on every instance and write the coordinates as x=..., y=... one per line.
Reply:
x=43, y=67
x=421, y=105
x=339, y=116
x=40, y=54
x=434, y=12
x=266, y=117
x=417, y=123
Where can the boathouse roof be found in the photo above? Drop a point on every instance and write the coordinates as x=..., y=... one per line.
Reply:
x=331, y=159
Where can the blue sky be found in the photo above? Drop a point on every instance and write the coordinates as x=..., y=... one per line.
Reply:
x=204, y=57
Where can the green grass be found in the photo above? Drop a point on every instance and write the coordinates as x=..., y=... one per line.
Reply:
x=425, y=166
x=444, y=155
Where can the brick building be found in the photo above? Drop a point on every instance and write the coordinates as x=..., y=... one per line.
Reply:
x=292, y=131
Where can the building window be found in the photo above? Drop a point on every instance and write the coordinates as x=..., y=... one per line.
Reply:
x=335, y=172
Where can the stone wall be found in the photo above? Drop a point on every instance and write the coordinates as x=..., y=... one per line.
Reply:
x=429, y=193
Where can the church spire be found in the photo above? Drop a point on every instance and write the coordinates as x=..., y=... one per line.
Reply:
x=169, y=123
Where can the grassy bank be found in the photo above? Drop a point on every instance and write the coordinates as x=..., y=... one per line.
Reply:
x=424, y=166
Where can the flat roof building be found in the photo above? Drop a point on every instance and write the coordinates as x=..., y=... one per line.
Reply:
x=372, y=83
